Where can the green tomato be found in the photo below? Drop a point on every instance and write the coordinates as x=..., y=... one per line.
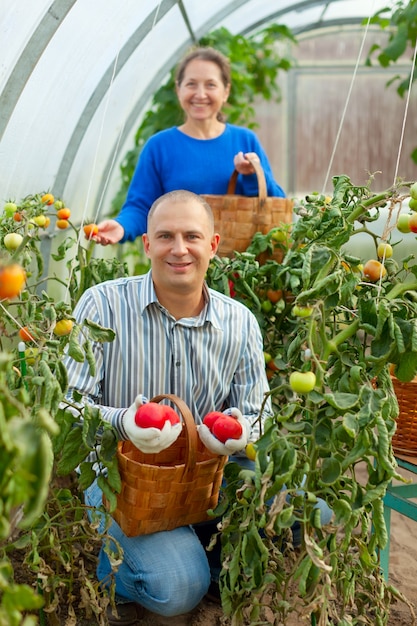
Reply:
x=302, y=382
x=412, y=204
x=12, y=241
x=403, y=223
x=384, y=250
x=9, y=209
x=278, y=235
x=40, y=220
x=413, y=191
x=301, y=310
x=267, y=306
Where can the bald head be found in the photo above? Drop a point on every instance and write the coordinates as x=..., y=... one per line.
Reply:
x=180, y=196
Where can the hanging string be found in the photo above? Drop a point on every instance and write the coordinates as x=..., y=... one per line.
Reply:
x=347, y=100
x=119, y=137
x=387, y=228
x=95, y=159
x=405, y=113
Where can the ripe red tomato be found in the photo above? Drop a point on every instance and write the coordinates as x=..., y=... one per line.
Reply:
x=25, y=335
x=227, y=427
x=171, y=415
x=153, y=415
x=211, y=417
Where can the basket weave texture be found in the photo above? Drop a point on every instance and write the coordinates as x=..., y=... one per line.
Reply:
x=404, y=440
x=237, y=218
x=173, y=488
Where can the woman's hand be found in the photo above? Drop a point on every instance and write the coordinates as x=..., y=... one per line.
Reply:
x=242, y=163
x=109, y=231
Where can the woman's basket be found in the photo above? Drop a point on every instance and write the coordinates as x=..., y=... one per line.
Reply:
x=238, y=218
x=175, y=487
x=404, y=440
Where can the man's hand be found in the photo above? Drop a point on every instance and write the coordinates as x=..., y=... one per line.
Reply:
x=230, y=446
x=149, y=440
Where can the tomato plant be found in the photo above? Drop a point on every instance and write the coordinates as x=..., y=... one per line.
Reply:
x=41, y=441
x=311, y=448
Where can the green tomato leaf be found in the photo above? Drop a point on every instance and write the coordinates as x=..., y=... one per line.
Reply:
x=341, y=401
x=331, y=470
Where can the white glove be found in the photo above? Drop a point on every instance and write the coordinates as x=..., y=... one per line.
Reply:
x=230, y=446
x=149, y=440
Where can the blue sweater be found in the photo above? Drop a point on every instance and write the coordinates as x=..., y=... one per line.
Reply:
x=171, y=160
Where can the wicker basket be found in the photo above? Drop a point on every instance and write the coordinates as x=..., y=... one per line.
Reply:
x=173, y=488
x=404, y=440
x=238, y=218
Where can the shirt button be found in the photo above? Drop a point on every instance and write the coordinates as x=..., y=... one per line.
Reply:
x=178, y=363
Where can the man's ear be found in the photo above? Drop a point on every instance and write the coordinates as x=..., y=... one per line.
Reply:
x=215, y=240
x=145, y=241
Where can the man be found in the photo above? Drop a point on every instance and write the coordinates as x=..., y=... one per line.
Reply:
x=173, y=335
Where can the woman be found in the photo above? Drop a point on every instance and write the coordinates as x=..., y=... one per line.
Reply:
x=199, y=156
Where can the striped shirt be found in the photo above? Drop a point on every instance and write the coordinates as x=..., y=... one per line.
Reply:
x=212, y=361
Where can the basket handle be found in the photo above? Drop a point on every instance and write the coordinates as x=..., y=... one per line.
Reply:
x=190, y=428
x=231, y=188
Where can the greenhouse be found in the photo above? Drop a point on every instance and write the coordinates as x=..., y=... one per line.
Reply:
x=208, y=211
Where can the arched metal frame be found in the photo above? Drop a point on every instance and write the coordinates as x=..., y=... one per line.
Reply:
x=47, y=42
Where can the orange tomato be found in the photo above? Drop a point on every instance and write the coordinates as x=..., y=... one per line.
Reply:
x=25, y=335
x=374, y=270
x=64, y=214
x=17, y=216
x=48, y=198
x=62, y=224
x=274, y=295
x=63, y=327
x=90, y=230
x=12, y=280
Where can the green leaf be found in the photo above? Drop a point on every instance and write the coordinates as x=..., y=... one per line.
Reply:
x=99, y=333
x=341, y=401
x=331, y=470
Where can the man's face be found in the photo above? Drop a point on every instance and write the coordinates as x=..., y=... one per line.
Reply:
x=180, y=244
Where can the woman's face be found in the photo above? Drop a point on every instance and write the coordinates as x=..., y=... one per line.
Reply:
x=202, y=93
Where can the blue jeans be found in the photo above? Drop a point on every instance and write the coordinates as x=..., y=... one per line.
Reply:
x=166, y=572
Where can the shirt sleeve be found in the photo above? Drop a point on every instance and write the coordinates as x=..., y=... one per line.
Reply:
x=250, y=384
x=145, y=187
x=79, y=376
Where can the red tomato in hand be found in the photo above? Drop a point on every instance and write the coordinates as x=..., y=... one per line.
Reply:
x=211, y=417
x=153, y=415
x=227, y=427
x=171, y=415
